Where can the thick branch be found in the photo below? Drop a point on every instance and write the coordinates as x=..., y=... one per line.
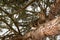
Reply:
x=46, y=29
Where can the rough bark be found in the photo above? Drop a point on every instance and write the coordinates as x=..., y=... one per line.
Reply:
x=51, y=28
x=47, y=29
x=54, y=10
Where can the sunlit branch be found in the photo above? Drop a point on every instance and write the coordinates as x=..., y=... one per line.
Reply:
x=31, y=11
x=3, y=16
x=8, y=25
x=24, y=7
x=8, y=14
x=46, y=29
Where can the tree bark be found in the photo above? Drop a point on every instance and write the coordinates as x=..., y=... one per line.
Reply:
x=47, y=29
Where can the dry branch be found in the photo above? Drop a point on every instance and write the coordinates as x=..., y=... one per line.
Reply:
x=51, y=28
x=47, y=29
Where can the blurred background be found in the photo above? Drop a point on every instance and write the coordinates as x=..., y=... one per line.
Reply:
x=23, y=16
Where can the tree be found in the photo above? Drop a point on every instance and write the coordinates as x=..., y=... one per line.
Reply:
x=29, y=19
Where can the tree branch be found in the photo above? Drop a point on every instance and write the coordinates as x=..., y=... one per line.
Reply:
x=46, y=29
x=8, y=25
x=8, y=14
x=24, y=7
